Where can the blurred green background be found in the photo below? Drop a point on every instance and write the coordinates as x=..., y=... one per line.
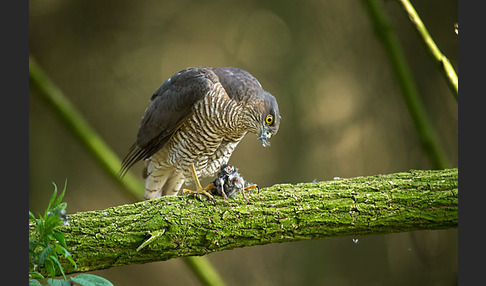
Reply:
x=342, y=116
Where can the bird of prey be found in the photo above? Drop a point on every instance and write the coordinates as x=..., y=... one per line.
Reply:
x=194, y=121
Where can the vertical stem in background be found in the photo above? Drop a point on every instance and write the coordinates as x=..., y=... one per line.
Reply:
x=203, y=269
x=442, y=61
x=81, y=129
x=108, y=160
x=406, y=83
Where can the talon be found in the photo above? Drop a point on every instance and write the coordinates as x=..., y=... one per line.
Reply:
x=200, y=189
x=199, y=192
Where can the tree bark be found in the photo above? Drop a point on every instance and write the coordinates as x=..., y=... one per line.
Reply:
x=171, y=227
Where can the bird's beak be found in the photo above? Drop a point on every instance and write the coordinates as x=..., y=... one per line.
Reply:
x=264, y=136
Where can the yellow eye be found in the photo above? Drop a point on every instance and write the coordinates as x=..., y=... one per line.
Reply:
x=269, y=119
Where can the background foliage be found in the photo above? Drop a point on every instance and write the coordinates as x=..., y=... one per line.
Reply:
x=342, y=115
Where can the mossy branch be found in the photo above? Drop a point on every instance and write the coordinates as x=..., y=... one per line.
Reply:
x=172, y=227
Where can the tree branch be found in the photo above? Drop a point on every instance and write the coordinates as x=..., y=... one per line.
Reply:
x=172, y=227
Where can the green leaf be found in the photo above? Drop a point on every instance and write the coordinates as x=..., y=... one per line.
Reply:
x=33, y=282
x=49, y=265
x=62, y=251
x=51, y=201
x=35, y=275
x=32, y=216
x=60, y=237
x=51, y=242
x=57, y=264
x=91, y=280
x=51, y=223
x=61, y=196
x=38, y=222
x=32, y=246
x=45, y=253
x=58, y=282
x=70, y=258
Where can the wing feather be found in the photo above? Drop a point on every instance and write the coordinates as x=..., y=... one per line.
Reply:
x=171, y=104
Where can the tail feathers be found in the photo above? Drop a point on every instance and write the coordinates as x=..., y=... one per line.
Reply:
x=134, y=155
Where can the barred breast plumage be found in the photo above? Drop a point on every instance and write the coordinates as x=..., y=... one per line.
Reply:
x=198, y=116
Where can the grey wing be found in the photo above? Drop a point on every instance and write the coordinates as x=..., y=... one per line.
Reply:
x=239, y=84
x=171, y=105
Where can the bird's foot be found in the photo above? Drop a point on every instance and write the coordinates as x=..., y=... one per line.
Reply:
x=200, y=189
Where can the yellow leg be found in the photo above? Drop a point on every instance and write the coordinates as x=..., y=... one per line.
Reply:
x=196, y=179
x=252, y=187
x=200, y=189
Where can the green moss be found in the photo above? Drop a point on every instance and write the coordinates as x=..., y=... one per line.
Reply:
x=172, y=227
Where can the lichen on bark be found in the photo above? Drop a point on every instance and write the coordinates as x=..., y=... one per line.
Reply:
x=172, y=227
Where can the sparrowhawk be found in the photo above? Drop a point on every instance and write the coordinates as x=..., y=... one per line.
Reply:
x=194, y=121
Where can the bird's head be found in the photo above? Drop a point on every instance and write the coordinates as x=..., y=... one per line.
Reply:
x=267, y=119
x=262, y=116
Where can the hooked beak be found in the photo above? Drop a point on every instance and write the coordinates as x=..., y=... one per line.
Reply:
x=264, y=136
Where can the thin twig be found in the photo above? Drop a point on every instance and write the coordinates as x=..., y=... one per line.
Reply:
x=442, y=61
x=406, y=83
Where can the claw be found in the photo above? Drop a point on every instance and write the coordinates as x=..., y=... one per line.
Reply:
x=200, y=189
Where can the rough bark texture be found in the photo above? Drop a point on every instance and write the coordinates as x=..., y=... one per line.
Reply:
x=171, y=227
